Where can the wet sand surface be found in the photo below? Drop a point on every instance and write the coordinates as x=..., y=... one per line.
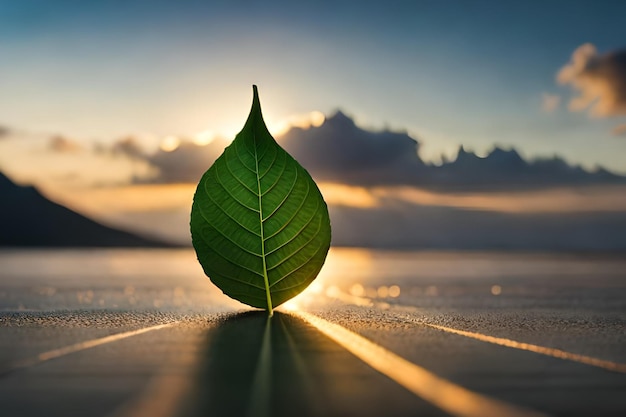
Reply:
x=557, y=351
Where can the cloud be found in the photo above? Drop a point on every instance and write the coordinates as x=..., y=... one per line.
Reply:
x=177, y=160
x=187, y=162
x=550, y=102
x=129, y=146
x=341, y=153
x=4, y=132
x=599, y=80
x=62, y=144
x=619, y=130
x=338, y=150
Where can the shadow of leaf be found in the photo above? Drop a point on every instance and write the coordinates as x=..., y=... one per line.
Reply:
x=257, y=366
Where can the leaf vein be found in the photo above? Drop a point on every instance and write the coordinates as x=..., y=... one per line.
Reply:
x=269, y=168
x=219, y=181
x=293, y=185
x=298, y=267
x=238, y=154
x=296, y=212
x=297, y=233
x=278, y=177
x=221, y=209
x=293, y=253
x=228, y=237
x=237, y=177
x=227, y=258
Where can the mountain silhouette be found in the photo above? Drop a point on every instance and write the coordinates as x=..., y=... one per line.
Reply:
x=27, y=218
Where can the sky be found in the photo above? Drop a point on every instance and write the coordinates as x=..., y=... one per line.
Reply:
x=450, y=73
x=82, y=83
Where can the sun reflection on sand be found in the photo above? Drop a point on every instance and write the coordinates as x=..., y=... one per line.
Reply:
x=452, y=398
x=349, y=268
x=341, y=266
x=496, y=290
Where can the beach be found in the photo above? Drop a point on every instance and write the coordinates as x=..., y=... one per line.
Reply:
x=139, y=332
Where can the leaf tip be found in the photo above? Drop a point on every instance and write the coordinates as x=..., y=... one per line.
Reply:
x=256, y=103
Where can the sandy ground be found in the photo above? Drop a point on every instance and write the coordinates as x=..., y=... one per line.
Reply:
x=558, y=350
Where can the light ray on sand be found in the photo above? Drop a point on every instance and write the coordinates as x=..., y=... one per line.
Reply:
x=542, y=350
x=449, y=397
x=77, y=347
x=556, y=353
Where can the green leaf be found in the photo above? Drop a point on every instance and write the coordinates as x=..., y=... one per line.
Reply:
x=259, y=224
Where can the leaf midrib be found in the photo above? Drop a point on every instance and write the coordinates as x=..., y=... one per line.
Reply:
x=258, y=182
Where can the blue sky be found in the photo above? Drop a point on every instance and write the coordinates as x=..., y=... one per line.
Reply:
x=448, y=72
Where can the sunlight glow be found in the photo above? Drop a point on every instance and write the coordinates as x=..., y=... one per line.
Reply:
x=316, y=287
x=555, y=200
x=101, y=201
x=290, y=305
x=347, y=195
x=170, y=143
x=351, y=264
x=30, y=162
x=305, y=298
x=317, y=118
x=278, y=128
x=302, y=121
x=203, y=138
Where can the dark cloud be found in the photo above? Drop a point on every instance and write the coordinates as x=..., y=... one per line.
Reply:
x=339, y=150
x=63, y=145
x=187, y=162
x=599, y=80
x=129, y=146
x=183, y=163
x=4, y=132
x=504, y=169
